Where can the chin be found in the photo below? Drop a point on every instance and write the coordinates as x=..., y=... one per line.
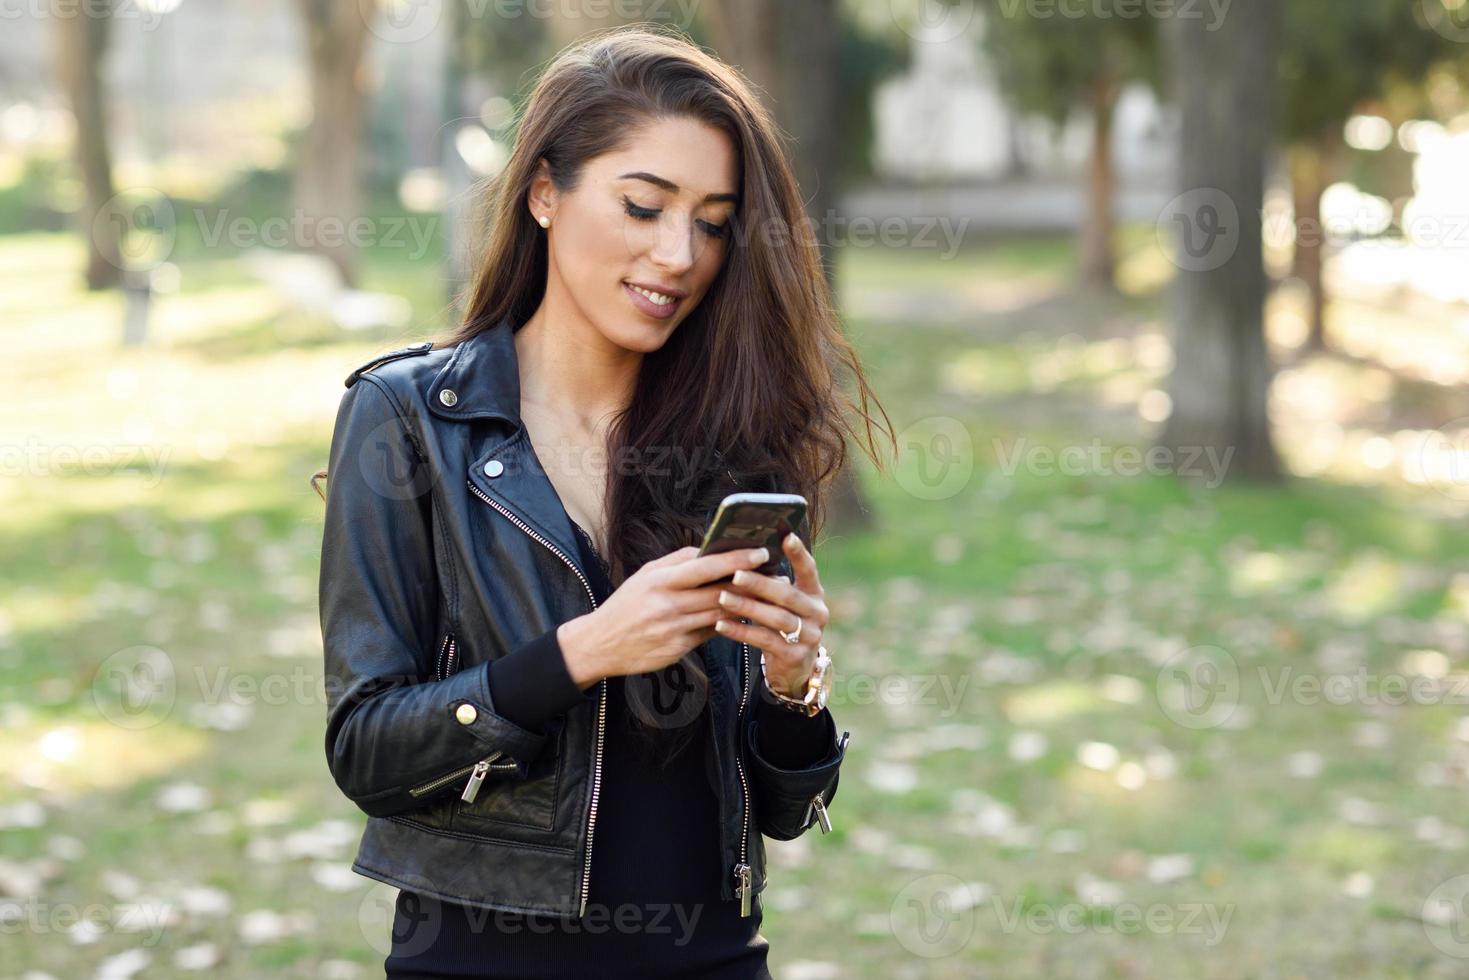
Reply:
x=645, y=338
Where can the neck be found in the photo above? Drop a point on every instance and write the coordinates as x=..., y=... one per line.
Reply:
x=570, y=370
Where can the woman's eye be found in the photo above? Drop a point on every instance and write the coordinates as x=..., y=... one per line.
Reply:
x=641, y=213
x=648, y=214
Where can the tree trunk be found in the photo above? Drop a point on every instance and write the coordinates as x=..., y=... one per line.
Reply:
x=461, y=232
x=748, y=37
x=326, y=190
x=1224, y=84
x=1098, y=259
x=1309, y=178
x=80, y=44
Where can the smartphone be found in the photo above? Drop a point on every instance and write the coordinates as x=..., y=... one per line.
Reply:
x=749, y=520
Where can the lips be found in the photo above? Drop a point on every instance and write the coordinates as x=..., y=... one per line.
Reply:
x=656, y=304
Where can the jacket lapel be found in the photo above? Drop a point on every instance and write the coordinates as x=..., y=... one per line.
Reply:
x=483, y=378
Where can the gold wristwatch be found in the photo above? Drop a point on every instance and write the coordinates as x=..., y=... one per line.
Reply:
x=818, y=687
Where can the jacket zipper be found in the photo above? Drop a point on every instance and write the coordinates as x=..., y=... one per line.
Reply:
x=442, y=670
x=449, y=658
x=744, y=885
x=446, y=656
x=817, y=804
x=586, y=878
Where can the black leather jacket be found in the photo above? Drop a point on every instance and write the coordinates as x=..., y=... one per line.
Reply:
x=445, y=547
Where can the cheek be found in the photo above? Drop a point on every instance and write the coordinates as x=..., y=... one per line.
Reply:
x=592, y=241
x=708, y=264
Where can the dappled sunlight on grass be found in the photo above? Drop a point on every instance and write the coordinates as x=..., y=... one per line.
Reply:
x=68, y=756
x=1051, y=702
x=1367, y=586
x=1002, y=648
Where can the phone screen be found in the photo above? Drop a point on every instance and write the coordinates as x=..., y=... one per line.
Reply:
x=753, y=520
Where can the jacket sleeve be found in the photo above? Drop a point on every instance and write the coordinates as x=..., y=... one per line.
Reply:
x=778, y=741
x=390, y=726
x=783, y=796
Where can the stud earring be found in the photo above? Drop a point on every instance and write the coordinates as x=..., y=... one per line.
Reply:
x=545, y=221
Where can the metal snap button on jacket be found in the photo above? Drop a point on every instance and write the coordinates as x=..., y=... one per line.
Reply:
x=448, y=397
x=466, y=714
x=494, y=468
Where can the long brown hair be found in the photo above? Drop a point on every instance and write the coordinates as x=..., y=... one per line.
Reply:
x=745, y=394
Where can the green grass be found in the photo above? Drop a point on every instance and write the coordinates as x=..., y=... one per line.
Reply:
x=1017, y=606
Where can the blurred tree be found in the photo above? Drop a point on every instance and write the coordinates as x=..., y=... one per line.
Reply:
x=80, y=46
x=1336, y=56
x=1224, y=83
x=1070, y=61
x=327, y=180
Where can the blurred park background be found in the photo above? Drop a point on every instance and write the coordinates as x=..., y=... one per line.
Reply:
x=1153, y=643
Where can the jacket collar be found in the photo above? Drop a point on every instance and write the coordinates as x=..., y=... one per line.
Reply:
x=483, y=374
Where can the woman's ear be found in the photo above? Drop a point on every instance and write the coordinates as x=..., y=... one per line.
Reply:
x=541, y=198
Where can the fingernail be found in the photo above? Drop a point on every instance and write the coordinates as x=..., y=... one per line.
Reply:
x=760, y=555
x=724, y=598
x=792, y=540
x=720, y=626
x=741, y=577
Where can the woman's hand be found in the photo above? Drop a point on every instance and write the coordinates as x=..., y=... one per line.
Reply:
x=772, y=604
x=658, y=614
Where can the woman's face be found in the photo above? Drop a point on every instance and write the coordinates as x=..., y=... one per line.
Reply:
x=652, y=217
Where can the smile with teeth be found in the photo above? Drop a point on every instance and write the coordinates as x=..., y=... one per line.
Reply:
x=658, y=298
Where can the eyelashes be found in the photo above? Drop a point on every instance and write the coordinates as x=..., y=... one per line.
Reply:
x=635, y=211
x=648, y=214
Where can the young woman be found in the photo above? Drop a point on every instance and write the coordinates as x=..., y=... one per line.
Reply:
x=568, y=730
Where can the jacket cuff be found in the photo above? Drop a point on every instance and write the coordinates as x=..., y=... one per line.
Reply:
x=790, y=740
x=803, y=781
x=531, y=685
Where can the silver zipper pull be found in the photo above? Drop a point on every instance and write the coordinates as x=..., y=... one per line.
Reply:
x=476, y=777
x=743, y=887
x=820, y=806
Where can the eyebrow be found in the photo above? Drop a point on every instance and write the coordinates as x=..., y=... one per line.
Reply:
x=669, y=185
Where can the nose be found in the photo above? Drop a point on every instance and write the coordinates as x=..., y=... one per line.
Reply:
x=675, y=247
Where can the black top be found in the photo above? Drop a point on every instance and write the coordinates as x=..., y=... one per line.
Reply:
x=653, y=906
